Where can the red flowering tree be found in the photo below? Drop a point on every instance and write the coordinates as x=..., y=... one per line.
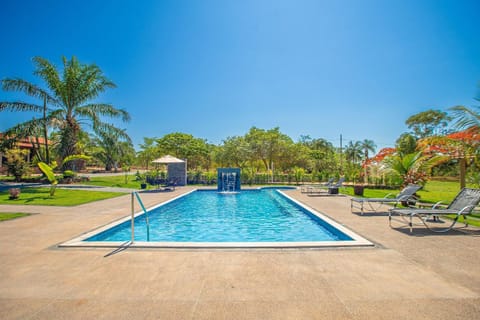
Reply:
x=461, y=145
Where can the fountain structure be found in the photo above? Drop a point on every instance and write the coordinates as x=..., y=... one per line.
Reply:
x=228, y=180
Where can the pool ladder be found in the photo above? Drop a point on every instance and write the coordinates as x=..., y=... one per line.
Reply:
x=136, y=195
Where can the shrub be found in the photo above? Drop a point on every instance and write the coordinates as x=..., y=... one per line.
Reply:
x=69, y=174
x=16, y=163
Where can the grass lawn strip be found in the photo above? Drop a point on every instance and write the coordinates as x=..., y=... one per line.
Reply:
x=62, y=197
x=4, y=216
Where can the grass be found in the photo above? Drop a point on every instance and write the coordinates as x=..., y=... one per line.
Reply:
x=62, y=197
x=4, y=216
x=114, y=181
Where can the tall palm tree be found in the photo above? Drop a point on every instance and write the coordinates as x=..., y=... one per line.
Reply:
x=34, y=127
x=73, y=92
x=367, y=145
x=353, y=152
x=70, y=96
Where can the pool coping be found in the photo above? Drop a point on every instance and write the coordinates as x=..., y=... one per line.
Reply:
x=357, y=240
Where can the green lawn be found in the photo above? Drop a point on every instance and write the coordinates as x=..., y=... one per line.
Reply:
x=114, y=181
x=63, y=197
x=9, y=215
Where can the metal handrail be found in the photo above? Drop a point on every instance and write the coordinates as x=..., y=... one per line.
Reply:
x=133, y=215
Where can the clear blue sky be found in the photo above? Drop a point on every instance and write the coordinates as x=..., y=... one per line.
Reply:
x=214, y=69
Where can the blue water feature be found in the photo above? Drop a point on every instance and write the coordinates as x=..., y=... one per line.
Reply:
x=228, y=180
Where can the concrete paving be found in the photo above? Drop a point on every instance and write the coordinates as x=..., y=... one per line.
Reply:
x=405, y=276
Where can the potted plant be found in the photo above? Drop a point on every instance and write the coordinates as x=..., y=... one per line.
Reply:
x=358, y=189
x=142, y=177
x=14, y=193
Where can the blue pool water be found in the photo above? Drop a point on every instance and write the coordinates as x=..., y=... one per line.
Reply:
x=263, y=215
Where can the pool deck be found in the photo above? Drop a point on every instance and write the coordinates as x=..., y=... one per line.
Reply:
x=405, y=276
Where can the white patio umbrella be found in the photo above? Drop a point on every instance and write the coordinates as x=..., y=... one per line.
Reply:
x=168, y=159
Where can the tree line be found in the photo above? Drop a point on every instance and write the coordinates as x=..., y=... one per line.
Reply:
x=71, y=125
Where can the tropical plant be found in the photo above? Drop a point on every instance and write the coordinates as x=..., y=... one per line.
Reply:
x=71, y=94
x=353, y=152
x=466, y=117
x=112, y=148
x=413, y=167
x=48, y=172
x=34, y=127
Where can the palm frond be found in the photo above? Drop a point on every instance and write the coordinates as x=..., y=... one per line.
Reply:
x=28, y=88
x=49, y=73
x=466, y=117
x=106, y=129
x=25, y=129
x=95, y=109
x=20, y=106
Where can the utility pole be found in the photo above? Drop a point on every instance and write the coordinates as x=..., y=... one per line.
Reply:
x=341, y=156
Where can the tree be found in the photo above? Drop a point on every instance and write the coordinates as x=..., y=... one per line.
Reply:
x=71, y=94
x=462, y=146
x=267, y=146
x=34, y=127
x=353, y=152
x=149, y=151
x=184, y=146
x=113, y=147
x=367, y=146
x=321, y=154
x=233, y=152
x=406, y=143
x=428, y=123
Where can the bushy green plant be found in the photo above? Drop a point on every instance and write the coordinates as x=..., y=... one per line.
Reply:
x=16, y=163
x=69, y=174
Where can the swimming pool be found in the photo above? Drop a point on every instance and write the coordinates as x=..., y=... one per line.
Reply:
x=260, y=217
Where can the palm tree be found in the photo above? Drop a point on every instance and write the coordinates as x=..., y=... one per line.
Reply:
x=413, y=167
x=34, y=127
x=353, y=151
x=367, y=145
x=112, y=148
x=71, y=98
x=466, y=117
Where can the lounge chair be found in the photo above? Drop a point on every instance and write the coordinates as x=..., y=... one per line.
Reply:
x=330, y=189
x=406, y=195
x=308, y=188
x=462, y=205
